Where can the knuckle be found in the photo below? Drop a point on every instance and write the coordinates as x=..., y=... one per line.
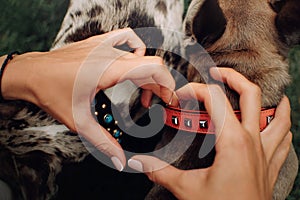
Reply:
x=289, y=137
x=207, y=90
x=81, y=124
x=171, y=85
x=152, y=176
x=230, y=71
x=158, y=60
x=125, y=30
x=156, y=66
x=244, y=144
x=257, y=89
x=288, y=123
x=215, y=89
x=128, y=29
x=143, y=45
x=254, y=89
x=193, y=85
x=198, y=88
x=104, y=147
x=244, y=141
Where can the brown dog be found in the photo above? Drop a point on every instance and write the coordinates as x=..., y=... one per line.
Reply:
x=252, y=37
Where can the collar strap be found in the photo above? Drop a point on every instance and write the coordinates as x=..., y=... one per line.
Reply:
x=200, y=122
x=102, y=108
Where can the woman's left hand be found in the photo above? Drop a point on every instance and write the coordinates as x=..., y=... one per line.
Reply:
x=64, y=82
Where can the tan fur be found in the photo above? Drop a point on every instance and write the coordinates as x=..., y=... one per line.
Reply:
x=250, y=44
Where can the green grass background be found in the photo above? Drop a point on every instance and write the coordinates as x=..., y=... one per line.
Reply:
x=31, y=25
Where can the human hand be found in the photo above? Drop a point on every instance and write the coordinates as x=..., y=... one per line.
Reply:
x=63, y=82
x=247, y=162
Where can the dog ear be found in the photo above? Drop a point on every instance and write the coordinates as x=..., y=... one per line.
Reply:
x=287, y=20
x=204, y=21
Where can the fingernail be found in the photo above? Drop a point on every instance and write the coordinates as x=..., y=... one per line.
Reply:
x=136, y=165
x=117, y=163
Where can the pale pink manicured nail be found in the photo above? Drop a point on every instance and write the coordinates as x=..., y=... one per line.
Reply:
x=117, y=163
x=136, y=165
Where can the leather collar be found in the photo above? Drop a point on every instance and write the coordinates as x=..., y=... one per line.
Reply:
x=200, y=122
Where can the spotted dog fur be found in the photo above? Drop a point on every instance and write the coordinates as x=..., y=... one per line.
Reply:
x=252, y=37
x=88, y=18
x=35, y=147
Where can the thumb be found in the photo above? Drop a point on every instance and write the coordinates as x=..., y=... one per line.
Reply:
x=158, y=171
x=129, y=37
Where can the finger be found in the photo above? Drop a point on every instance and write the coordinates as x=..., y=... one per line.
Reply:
x=137, y=69
x=165, y=94
x=101, y=139
x=128, y=36
x=279, y=158
x=277, y=130
x=215, y=101
x=167, y=85
x=226, y=126
x=250, y=97
x=160, y=91
x=146, y=98
x=144, y=72
x=150, y=71
x=159, y=172
x=174, y=101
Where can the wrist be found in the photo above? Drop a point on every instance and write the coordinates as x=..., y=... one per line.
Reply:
x=16, y=84
x=5, y=62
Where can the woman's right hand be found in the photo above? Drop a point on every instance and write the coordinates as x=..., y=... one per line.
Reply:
x=247, y=161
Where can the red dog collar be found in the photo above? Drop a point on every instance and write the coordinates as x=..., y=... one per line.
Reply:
x=199, y=121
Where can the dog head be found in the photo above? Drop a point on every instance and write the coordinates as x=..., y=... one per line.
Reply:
x=253, y=37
